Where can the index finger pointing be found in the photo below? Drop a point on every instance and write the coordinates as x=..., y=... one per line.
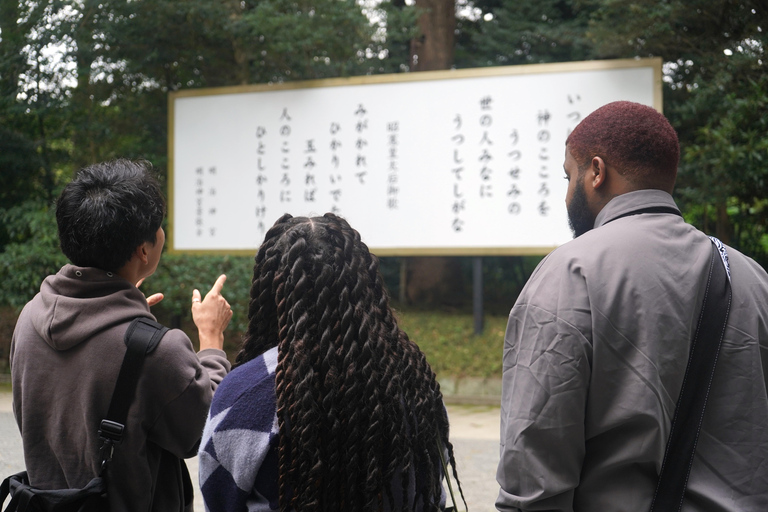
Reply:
x=219, y=284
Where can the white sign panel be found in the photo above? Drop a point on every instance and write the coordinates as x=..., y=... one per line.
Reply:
x=460, y=162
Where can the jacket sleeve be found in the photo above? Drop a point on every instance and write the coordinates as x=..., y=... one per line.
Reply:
x=217, y=365
x=238, y=452
x=546, y=374
x=183, y=383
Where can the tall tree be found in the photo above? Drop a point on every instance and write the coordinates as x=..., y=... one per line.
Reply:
x=33, y=125
x=433, y=49
x=398, y=28
x=87, y=80
x=507, y=32
x=716, y=77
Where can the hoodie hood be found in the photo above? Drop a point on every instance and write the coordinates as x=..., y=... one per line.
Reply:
x=78, y=303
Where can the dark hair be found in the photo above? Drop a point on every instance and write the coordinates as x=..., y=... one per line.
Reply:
x=359, y=408
x=107, y=211
x=636, y=139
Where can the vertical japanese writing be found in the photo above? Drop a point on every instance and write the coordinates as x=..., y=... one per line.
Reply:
x=486, y=151
x=199, y=201
x=261, y=179
x=514, y=192
x=335, y=175
x=310, y=184
x=212, y=193
x=458, y=205
x=574, y=114
x=205, y=201
x=393, y=186
x=285, y=150
x=543, y=137
x=361, y=126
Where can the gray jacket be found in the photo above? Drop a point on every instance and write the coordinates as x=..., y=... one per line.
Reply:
x=594, y=356
x=66, y=352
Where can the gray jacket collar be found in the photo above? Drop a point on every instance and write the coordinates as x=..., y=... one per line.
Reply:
x=625, y=204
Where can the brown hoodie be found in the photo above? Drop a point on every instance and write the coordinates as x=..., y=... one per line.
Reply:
x=66, y=352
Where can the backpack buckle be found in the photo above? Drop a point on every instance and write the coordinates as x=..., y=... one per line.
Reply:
x=111, y=431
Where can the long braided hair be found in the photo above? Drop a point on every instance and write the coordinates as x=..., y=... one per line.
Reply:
x=359, y=409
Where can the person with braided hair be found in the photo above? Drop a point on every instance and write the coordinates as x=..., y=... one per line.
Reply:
x=330, y=406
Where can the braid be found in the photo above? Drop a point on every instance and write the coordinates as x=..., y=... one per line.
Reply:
x=262, y=314
x=359, y=408
x=283, y=387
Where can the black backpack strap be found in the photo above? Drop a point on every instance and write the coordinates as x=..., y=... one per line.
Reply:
x=689, y=412
x=141, y=338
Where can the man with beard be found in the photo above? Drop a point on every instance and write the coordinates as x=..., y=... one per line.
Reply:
x=597, y=344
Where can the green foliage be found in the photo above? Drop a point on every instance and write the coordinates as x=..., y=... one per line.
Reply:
x=399, y=26
x=104, y=95
x=34, y=128
x=728, y=155
x=503, y=279
x=304, y=40
x=177, y=275
x=104, y=89
x=507, y=32
x=170, y=45
x=32, y=253
x=678, y=30
x=450, y=345
x=716, y=80
x=19, y=163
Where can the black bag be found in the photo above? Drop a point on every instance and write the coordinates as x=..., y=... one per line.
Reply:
x=141, y=338
x=91, y=498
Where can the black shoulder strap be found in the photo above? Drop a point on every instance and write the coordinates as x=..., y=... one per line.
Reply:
x=141, y=338
x=689, y=413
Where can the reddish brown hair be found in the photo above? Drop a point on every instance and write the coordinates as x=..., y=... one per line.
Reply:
x=635, y=139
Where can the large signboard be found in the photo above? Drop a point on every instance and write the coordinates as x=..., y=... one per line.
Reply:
x=465, y=162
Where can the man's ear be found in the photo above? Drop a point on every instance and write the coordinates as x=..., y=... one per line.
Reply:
x=598, y=175
x=142, y=252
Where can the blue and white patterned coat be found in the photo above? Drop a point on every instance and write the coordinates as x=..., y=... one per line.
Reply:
x=238, y=452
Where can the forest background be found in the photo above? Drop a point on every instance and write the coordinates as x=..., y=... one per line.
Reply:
x=87, y=80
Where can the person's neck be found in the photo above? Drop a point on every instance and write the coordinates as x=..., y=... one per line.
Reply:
x=131, y=271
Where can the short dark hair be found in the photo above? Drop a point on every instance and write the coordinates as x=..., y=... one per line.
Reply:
x=107, y=211
x=635, y=138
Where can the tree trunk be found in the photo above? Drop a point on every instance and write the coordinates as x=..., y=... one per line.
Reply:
x=434, y=49
x=435, y=281
x=429, y=278
x=83, y=137
x=240, y=51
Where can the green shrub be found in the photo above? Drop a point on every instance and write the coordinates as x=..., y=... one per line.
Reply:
x=449, y=342
x=179, y=274
x=31, y=254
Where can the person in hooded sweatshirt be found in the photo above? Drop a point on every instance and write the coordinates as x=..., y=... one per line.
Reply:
x=68, y=346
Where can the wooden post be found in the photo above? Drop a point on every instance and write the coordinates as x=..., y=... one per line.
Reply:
x=477, y=293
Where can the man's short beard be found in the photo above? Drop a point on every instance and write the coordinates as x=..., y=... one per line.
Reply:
x=579, y=217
